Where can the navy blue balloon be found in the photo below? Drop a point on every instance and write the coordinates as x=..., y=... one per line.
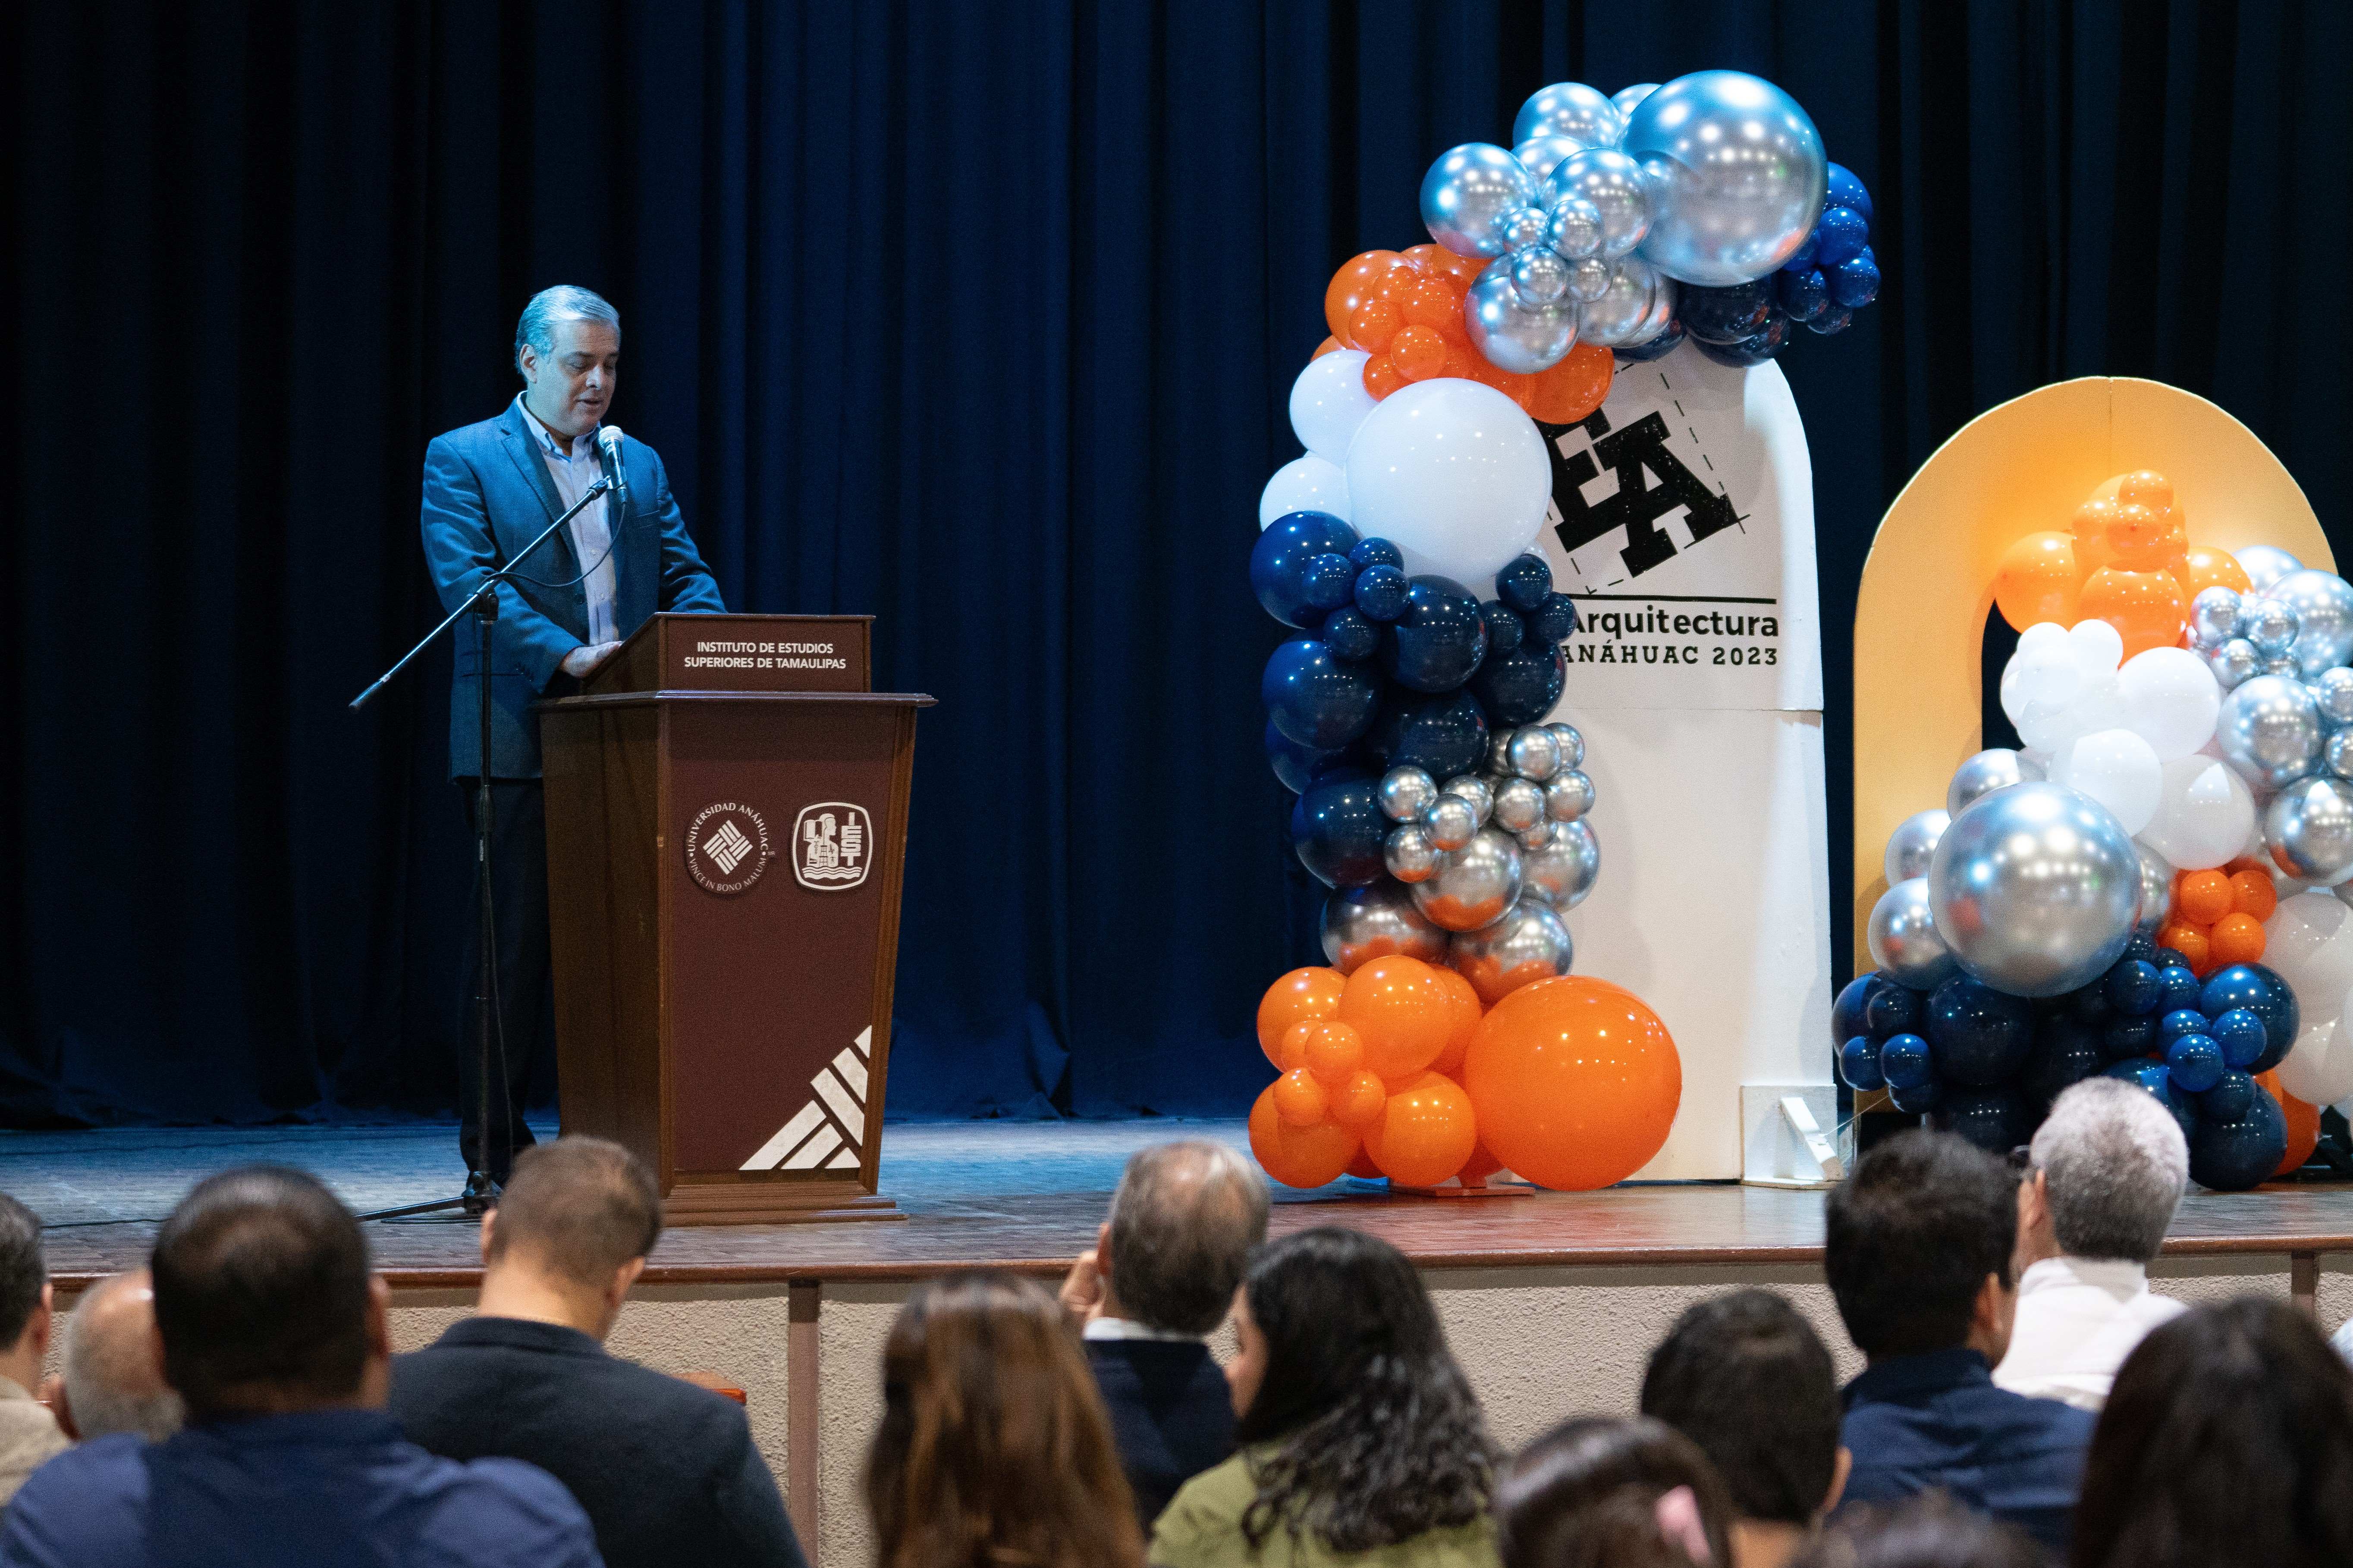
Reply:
x=1521, y=686
x=2132, y=988
x=1854, y=282
x=1349, y=633
x=1337, y=827
x=2176, y=987
x=1724, y=315
x=1847, y=1009
x=2282, y=1020
x=2232, y=1156
x=1278, y=569
x=1802, y=294
x=2196, y=1062
x=1859, y=1065
x=1328, y=581
x=1524, y=582
x=2180, y=1022
x=2149, y=1075
x=1802, y=259
x=1371, y=552
x=2229, y=1098
x=1297, y=765
x=2089, y=1003
x=2066, y=1052
x=1980, y=1035
x=2168, y=958
x=2242, y=1036
x=2129, y=1037
x=1917, y=1097
x=2262, y=992
x=1846, y=190
x=1755, y=349
x=1439, y=640
x=1665, y=343
x=1992, y=1119
x=2184, y=1106
x=1445, y=733
x=1905, y=1061
x=1893, y=1009
x=1840, y=237
x=1381, y=591
x=2237, y=986
x=2140, y=945
x=1504, y=628
x=1832, y=322
x=1314, y=698
x=1554, y=620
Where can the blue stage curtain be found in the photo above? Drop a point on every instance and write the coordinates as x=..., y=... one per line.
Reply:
x=978, y=317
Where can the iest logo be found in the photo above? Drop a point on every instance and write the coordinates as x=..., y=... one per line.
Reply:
x=833, y=844
x=728, y=846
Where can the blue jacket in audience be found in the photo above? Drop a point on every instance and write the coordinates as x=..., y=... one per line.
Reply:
x=1172, y=1415
x=1935, y=1421
x=325, y=1489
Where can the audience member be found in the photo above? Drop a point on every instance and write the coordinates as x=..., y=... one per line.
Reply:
x=113, y=1382
x=272, y=1330
x=667, y=1472
x=1359, y=1433
x=1608, y=1492
x=28, y=1434
x=2106, y=1170
x=1929, y=1531
x=2227, y=1442
x=1747, y=1379
x=1918, y=1249
x=1162, y=1276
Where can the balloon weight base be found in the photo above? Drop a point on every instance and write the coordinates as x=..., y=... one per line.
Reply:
x=1490, y=1189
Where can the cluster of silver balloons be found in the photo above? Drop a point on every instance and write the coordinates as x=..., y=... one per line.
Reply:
x=1606, y=202
x=2297, y=622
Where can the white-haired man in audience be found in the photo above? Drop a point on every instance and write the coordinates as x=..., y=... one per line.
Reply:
x=113, y=1382
x=2106, y=1172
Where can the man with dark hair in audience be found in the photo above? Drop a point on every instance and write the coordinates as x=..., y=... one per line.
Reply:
x=28, y=1434
x=1918, y=1249
x=111, y=1380
x=1748, y=1380
x=271, y=1327
x=667, y=1472
x=1161, y=1279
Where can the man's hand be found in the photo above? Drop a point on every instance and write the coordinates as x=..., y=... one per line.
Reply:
x=1083, y=1291
x=581, y=661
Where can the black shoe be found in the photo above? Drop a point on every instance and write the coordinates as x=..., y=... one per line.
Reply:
x=481, y=1193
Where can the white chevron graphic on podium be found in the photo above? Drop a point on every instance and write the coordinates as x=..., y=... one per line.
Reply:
x=826, y=1132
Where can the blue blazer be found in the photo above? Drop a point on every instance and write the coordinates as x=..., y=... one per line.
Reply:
x=488, y=494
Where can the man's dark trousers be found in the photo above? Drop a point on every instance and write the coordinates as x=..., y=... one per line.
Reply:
x=526, y=994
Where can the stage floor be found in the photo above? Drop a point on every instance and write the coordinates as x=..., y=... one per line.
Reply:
x=1026, y=1194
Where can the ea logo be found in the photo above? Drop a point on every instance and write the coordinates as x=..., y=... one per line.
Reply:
x=728, y=846
x=833, y=844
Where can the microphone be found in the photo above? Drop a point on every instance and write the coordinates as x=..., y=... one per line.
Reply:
x=608, y=447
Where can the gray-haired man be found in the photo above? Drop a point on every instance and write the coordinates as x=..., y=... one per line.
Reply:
x=2106, y=1172
x=113, y=1382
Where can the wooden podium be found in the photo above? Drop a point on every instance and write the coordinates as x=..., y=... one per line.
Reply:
x=726, y=835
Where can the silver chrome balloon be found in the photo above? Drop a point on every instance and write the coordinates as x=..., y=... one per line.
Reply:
x=2332, y=693
x=2268, y=623
x=1980, y=775
x=1474, y=885
x=1572, y=744
x=1534, y=752
x=2265, y=564
x=1623, y=309
x=1361, y=925
x=2283, y=663
x=1525, y=230
x=2269, y=731
x=2336, y=753
x=1406, y=793
x=2214, y=617
x=2322, y=603
x=1626, y=98
x=1573, y=109
x=1529, y=944
x=1409, y=854
x=1913, y=842
x=2235, y=663
x=1540, y=276
x=2308, y=830
x=1739, y=176
x=1514, y=333
x=1615, y=186
x=1589, y=279
x=1569, y=795
x=1532, y=839
x=2035, y=888
x=1474, y=789
x=1903, y=940
x=1499, y=751
x=1576, y=230
x=1469, y=193
x=1449, y=821
x=1519, y=806
x=1539, y=155
x=2155, y=890
x=1564, y=873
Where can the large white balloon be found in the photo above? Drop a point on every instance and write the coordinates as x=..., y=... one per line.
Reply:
x=2062, y=684
x=2308, y=943
x=2171, y=699
x=1304, y=484
x=2204, y=813
x=2318, y=1069
x=2117, y=768
x=1453, y=473
x=1329, y=401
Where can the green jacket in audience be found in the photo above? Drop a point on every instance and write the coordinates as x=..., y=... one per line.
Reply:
x=1203, y=1529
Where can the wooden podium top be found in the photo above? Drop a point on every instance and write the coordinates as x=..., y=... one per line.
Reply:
x=740, y=653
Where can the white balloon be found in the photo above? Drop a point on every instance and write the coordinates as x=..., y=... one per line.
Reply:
x=1453, y=474
x=1304, y=484
x=2308, y=942
x=2099, y=647
x=2042, y=635
x=2204, y=813
x=2119, y=770
x=2171, y=700
x=2318, y=1069
x=1329, y=401
x=2039, y=681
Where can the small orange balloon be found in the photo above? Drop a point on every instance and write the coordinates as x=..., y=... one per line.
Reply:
x=2145, y=539
x=1574, y=1081
x=2254, y=893
x=2146, y=487
x=2205, y=567
x=1376, y=321
x=1468, y=1009
x=1573, y=388
x=2146, y=607
x=2203, y=896
x=2303, y=1125
x=1301, y=993
x=2190, y=943
x=1518, y=388
x=1358, y=277
x=1457, y=361
x=1381, y=378
x=1291, y=1053
x=1429, y=256
x=1298, y=1156
x=1357, y=1101
x=2036, y=581
x=1460, y=270
x=1425, y=1132
x=1432, y=304
x=1332, y=1051
x=1329, y=345
x=2237, y=939
x=1418, y=353
x=1403, y=1011
x=2090, y=524
x=1299, y=1100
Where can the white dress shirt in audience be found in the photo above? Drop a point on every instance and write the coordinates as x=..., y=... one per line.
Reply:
x=2077, y=1321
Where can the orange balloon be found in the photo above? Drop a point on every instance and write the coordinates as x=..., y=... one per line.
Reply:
x=2036, y=581
x=2146, y=487
x=2190, y=943
x=1362, y=1166
x=2146, y=607
x=2145, y=539
x=1381, y=378
x=1301, y=993
x=2237, y=939
x=1299, y=1156
x=1329, y=345
x=1358, y=1100
x=1457, y=361
x=2254, y=893
x=1426, y=1132
x=1429, y=256
x=1467, y=1011
x=1518, y=388
x=1299, y=1100
x=1574, y=1081
x=1332, y=1051
x=1374, y=322
x=1292, y=1052
x=2203, y=896
x=2303, y=1125
x=1459, y=270
x=1401, y=1008
x=2205, y=567
x=1399, y=283
x=1573, y=388
x=1479, y=1166
x=1355, y=283
x=1431, y=303
x=2091, y=528
x=1418, y=353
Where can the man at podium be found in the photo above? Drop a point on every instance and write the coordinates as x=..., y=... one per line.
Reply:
x=489, y=489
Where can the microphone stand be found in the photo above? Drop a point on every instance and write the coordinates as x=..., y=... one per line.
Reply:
x=484, y=606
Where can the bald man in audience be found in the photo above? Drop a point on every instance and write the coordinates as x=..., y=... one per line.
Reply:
x=113, y=1382
x=29, y=1435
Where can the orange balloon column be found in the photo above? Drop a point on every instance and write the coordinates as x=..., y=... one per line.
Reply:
x=1574, y=1082
x=1425, y=1133
x=1298, y=1156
